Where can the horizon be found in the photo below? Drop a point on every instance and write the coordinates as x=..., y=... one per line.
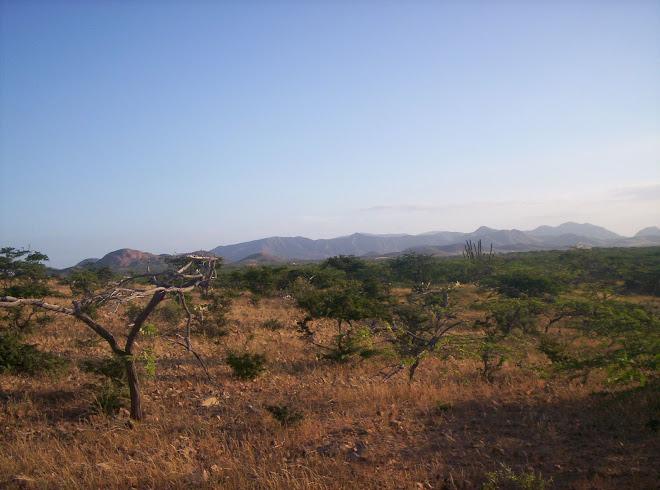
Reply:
x=164, y=127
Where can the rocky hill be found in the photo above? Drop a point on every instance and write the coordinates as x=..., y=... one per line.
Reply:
x=127, y=259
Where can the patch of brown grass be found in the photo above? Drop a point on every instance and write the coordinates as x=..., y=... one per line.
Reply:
x=447, y=429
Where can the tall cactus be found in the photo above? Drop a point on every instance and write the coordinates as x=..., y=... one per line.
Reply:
x=473, y=251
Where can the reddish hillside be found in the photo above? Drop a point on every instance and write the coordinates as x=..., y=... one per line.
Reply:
x=135, y=260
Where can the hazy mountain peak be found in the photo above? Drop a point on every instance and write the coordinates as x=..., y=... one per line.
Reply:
x=649, y=231
x=484, y=230
x=573, y=228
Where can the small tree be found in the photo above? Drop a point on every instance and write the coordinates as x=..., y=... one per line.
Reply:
x=86, y=280
x=414, y=268
x=22, y=274
x=627, y=336
x=345, y=302
x=506, y=320
x=420, y=325
x=158, y=288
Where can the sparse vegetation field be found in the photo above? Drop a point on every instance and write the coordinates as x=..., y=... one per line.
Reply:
x=531, y=371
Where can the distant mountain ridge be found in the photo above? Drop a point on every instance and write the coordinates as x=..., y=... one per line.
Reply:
x=570, y=228
x=443, y=243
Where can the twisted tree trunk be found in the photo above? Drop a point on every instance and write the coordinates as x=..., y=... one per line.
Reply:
x=134, y=389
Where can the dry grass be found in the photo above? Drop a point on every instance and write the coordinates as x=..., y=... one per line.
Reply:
x=445, y=430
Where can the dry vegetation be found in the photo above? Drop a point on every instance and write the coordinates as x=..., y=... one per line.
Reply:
x=446, y=429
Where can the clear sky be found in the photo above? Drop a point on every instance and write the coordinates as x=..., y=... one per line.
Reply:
x=170, y=126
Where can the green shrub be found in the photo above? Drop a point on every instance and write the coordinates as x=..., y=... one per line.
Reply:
x=23, y=320
x=110, y=398
x=554, y=350
x=442, y=407
x=17, y=357
x=169, y=313
x=284, y=415
x=507, y=478
x=524, y=282
x=131, y=311
x=29, y=290
x=355, y=342
x=246, y=365
x=148, y=362
x=112, y=368
x=149, y=330
x=213, y=314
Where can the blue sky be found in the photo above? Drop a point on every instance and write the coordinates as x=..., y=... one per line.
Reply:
x=174, y=126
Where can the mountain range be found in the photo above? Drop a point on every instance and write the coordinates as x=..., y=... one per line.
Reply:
x=439, y=243
x=280, y=250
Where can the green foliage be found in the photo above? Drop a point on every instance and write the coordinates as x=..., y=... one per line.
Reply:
x=112, y=368
x=523, y=282
x=259, y=281
x=22, y=320
x=22, y=274
x=507, y=478
x=421, y=324
x=626, y=335
x=442, y=407
x=110, y=398
x=555, y=351
x=593, y=267
x=212, y=314
x=169, y=313
x=19, y=358
x=346, y=302
x=90, y=309
x=343, y=301
x=629, y=338
x=131, y=311
x=112, y=392
x=29, y=289
x=148, y=361
x=355, y=341
x=414, y=268
x=86, y=281
x=509, y=314
x=493, y=353
x=284, y=415
x=149, y=330
x=246, y=365
x=508, y=322
x=372, y=277
x=350, y=264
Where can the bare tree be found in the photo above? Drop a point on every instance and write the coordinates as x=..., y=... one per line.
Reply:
x=156, y=286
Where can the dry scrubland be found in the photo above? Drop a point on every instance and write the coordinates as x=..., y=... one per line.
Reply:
x=446, y=429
